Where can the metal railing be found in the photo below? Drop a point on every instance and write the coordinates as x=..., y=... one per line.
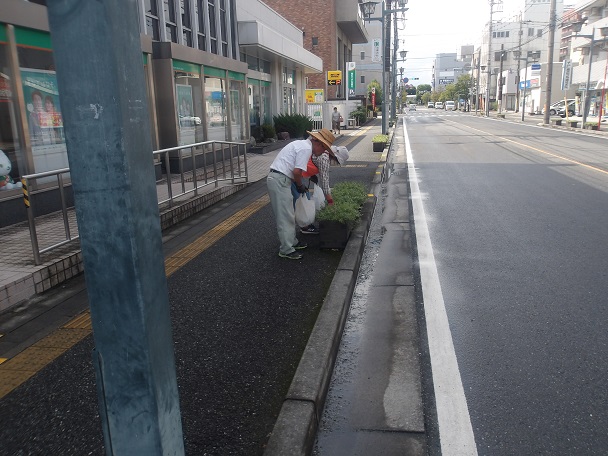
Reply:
x=196, y=158
x=27, y=198
x=199, y=165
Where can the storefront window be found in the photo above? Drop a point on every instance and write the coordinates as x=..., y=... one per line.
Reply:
x=266, y=109
x=215, y=98
x=189, y=102
x=237, y=111
x=9, y=141
x=255, y=110
x=43, y=112
x=289, y=100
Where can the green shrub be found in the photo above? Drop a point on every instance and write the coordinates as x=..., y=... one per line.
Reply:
x=350, y=191
x=348, y=198
x=268, y=131
x=380, y=138
x=360, y=114
x=294, y=124
x=257, y=133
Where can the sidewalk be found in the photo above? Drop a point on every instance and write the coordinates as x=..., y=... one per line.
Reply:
x=21, y=279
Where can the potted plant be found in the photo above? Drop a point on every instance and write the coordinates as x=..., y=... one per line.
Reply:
x=591, y=125
x=379, y=142
x=337, y=221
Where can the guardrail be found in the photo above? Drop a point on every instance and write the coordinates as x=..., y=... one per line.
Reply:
x=27, y=198
x=199, y=165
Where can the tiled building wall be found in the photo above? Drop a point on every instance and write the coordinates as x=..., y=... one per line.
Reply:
x=317, y=19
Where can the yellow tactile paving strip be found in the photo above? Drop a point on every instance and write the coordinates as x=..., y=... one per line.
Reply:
x=15, y=371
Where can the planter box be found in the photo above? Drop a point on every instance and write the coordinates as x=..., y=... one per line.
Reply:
x=333, y=235
x=378, y=146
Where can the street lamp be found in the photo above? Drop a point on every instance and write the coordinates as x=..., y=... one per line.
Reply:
x=368, y=9
x=577, y=26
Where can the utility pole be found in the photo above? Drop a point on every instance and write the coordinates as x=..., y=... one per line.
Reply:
x=477, y=82
x=394, y=78
x=550, y=62
x=518, y=78
x=105, y=113
x=499, y=80
x=489, y=70
x=387, y=67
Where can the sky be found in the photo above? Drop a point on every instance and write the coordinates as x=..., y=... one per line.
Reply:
x=443, y=26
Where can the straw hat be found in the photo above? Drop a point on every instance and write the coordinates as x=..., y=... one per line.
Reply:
x=323, y=135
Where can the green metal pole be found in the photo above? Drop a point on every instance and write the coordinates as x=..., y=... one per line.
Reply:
x=97, y=53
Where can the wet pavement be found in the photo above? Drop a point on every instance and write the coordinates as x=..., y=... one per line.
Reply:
x=241, y=320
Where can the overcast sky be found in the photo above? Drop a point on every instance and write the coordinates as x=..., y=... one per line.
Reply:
x=442, y=26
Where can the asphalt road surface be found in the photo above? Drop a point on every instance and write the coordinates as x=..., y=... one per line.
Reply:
x=517, y=222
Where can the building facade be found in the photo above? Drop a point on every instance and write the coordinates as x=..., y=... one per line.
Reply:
x=202, y=83
x=329, y=28
x=506, y=45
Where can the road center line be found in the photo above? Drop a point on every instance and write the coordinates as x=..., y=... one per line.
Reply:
x=551, y=154
x=455, y=429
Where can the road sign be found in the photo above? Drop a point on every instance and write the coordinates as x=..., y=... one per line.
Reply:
x=566, y=74
x=350, y=66
x=334, y=77
x=536, y=66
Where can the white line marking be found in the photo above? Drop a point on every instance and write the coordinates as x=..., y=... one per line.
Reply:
x=455, y=429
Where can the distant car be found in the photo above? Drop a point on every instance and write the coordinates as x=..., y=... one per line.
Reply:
x=555, y=107
x=450, y=106
x=430, y=104
x=439, y=105
x=189, y=121
x=562, y=110
x=412, y=107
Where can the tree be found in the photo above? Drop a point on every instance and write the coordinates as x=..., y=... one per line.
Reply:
x=421, y=90
x=463, y=86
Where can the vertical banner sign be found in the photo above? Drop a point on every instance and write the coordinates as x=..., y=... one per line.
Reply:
x=374, y=98
x=350, y=66
x=566, y=74
x=376, y=50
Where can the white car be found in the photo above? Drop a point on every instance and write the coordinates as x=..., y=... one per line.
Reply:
x=450, y=106
x=439, y=105
x=558, y=106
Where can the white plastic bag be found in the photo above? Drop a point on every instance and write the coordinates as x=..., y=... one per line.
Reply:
x=318, y=196
x=305, y=211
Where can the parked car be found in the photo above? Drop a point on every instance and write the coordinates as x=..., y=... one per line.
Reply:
x=430, y=104
x=562, y=110
x=439, y=105
x=555, y=107
x=450, y=105
x=412, y=107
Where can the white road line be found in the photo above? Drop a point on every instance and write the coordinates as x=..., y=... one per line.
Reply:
x=455, y=429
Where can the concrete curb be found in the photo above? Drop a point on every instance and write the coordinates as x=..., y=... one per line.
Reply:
x=296, y=427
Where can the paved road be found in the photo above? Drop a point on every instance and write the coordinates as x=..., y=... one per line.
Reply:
x=517, y=219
